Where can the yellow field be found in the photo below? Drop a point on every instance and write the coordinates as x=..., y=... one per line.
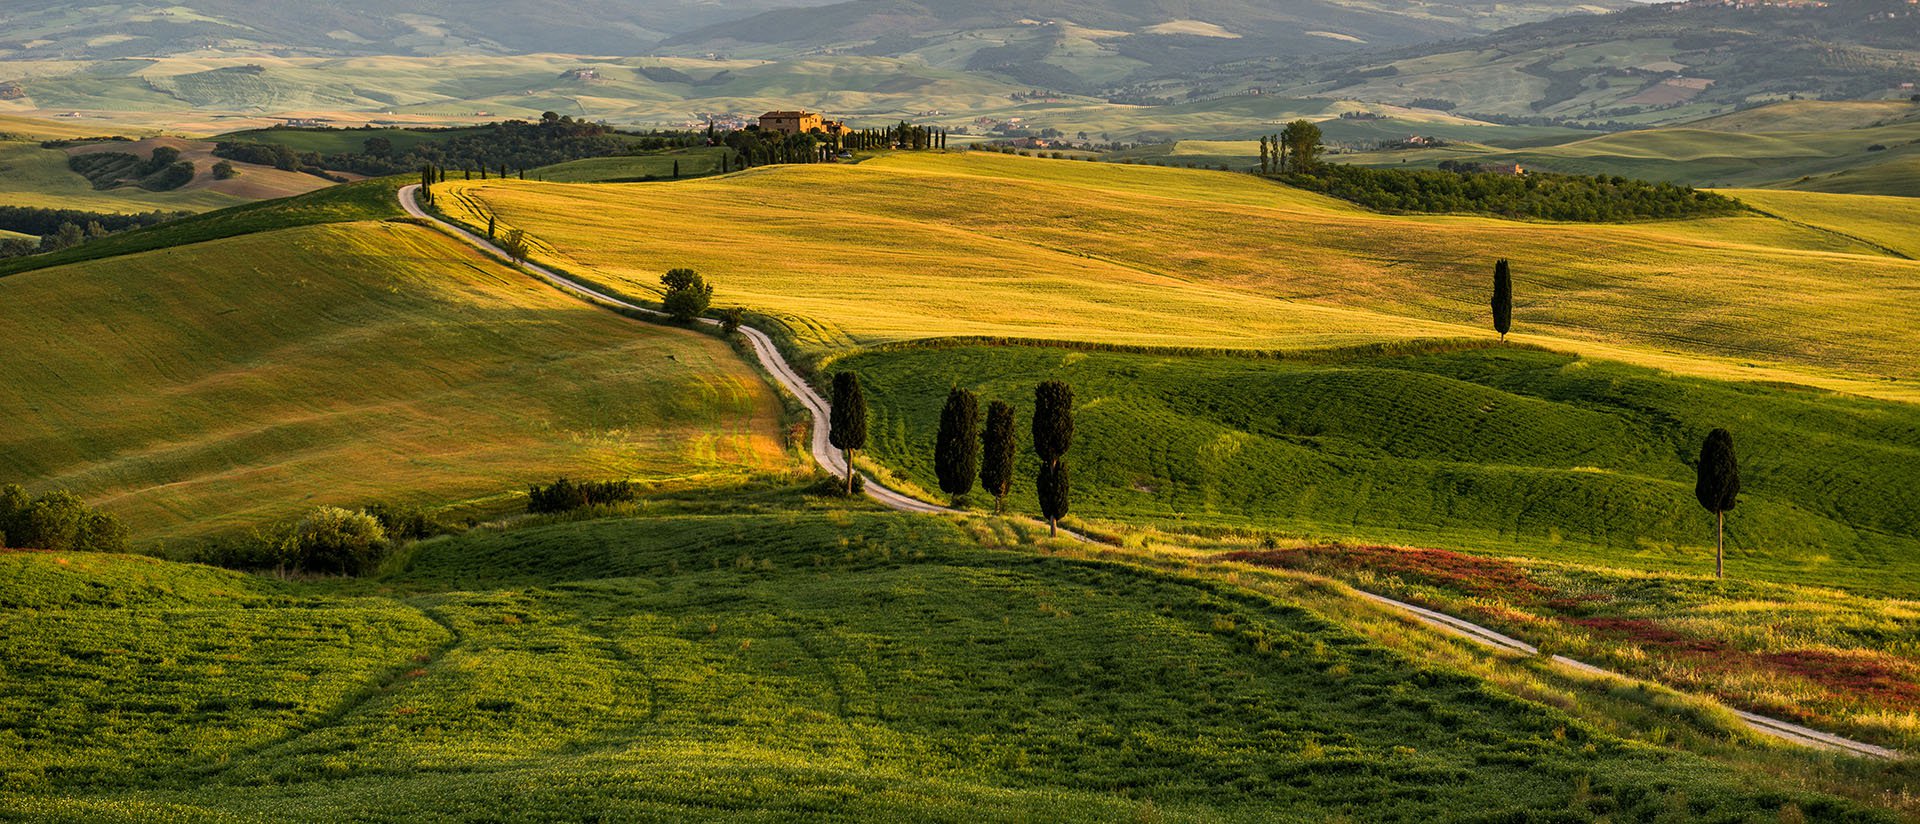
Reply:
x=1886, y=221
x=225, y=385
x=916, y=246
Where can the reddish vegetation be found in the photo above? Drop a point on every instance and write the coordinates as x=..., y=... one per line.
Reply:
x=1651, y=635
x=1849, y=677
x=1850, y=674
x=1470, y=574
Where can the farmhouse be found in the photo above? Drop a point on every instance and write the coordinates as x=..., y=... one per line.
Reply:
x=799, y=122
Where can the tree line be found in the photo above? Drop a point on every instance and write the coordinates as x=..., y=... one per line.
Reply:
x=58, y=521
x=962, y=456
x=1533, y=195
x=61, y=228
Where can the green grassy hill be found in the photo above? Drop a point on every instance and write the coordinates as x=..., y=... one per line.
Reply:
x=222, y=385
x=1503, y=449
x=801, y=665
x=689, y=162
x=942, y=245
x=1870, y=147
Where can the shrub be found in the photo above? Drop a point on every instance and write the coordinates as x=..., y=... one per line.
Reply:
x=565, y=496
x=331, y=540
x=405, y=522
x=224, y=170
x=57, y=521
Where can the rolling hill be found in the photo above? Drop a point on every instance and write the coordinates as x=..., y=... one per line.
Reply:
x=1856, y=147
x=1175, y=258
x=736, y=665
x=223, y=385
x=1084, y=46
x=1651, y=64
x=67, y=30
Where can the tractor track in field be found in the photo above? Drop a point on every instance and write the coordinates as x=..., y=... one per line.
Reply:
x=830, y=459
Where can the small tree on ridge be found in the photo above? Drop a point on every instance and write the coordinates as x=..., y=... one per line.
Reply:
x=1502, y=299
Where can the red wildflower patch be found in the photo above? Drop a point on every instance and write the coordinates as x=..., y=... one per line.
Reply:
x=1469, y=574
x=1850, y=674
x=1649, y=634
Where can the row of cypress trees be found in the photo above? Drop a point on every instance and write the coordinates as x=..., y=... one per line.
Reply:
x=1716, y=476
x=959, y=455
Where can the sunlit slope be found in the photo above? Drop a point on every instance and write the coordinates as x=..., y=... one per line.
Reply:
x=1501, y=448
x=774, y=666
x=219, y=385
x=1890, y=222
x=925, y=246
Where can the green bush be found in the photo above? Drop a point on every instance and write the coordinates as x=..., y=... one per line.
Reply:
x=687, y=294
x=331, y=540
x=57, y=521
x=565, y=496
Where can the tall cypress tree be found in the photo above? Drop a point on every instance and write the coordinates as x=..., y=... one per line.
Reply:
x=1717, y=488
x=1052, y=437
x=1266, y=165
x=1502, y=299
x=996, y=466
x=956, y=452
x=847, y=427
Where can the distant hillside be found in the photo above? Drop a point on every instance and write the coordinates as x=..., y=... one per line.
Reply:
x=1651, y=64
x=68, y=30
x=1083, y=44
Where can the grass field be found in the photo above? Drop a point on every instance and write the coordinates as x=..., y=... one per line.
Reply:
x=1503, y=449
x=1834, y=660
x=690, y=162
x=222, y=385
x=709, y=665
x=32, y=176
x=942, y=245
x=1823, y=146
x=363, y=201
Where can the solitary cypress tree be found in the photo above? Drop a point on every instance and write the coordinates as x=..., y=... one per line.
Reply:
x=1502, y=299
x=676, y=170
x=489, y=227
x=1052, y=437
x=956, y=452
x=1717, y=488
x=847, y=428
x=996, y=466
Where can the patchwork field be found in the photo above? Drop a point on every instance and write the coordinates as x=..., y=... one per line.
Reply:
x=218, y=386
x=1822, y=146
x=990, y=245
x=730, y=665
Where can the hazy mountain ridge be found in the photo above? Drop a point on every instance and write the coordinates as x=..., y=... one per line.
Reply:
x=1660, y=63
x=67, y=30
x=1083, y=44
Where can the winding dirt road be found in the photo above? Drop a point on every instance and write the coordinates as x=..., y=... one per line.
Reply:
x=830, y=459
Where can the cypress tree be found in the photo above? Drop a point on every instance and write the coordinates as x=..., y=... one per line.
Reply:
x=1052, y=437
x=1265, y=165
x=996, y=466
x=956, y=452
x=489, y=227
x=1502, y=299
x=1717, y=488
x=847, y=427
x=1055, y=488
x=676, y=170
